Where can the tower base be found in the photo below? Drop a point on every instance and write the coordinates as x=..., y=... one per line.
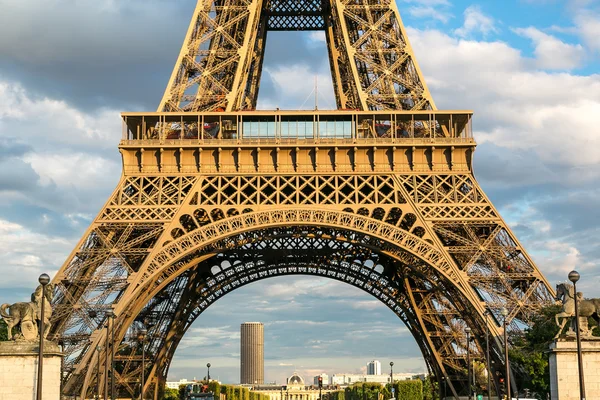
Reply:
x=564, y=370
x=18, y=370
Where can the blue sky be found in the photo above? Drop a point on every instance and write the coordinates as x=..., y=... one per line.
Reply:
x=528, y=68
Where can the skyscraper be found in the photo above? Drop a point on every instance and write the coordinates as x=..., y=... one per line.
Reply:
x=252, y=353
x=374, y=368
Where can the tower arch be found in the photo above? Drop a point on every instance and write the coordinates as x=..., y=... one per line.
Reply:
x=369, y=254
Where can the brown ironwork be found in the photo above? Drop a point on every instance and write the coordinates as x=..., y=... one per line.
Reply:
x=379, y=194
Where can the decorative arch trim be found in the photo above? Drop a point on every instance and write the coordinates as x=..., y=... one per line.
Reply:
x=210, y=234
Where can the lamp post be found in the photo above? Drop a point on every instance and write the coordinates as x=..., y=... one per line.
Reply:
x=468, y=332
x=98, y=350
x=392, y=378
x=321, y=387
x=208, y=373
x=574, y=277
x=44, y=279
x=93, y=314
x=445, y=386
x=142, y=337
x=487, y=354
x=110, y=314
x=504, y=313
x=106, y=347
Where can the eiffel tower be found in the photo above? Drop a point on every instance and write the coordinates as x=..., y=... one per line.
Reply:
x=214, y=195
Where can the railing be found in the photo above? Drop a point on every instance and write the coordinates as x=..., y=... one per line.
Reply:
x=328, y=127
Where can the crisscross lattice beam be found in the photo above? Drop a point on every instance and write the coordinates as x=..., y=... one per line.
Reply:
x=372, y=63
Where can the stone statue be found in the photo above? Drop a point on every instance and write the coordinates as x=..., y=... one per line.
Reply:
x=587, y=308
x=28, y=315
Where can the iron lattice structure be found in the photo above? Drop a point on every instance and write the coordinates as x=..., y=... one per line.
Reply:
x=379, y=194
x=372, y=63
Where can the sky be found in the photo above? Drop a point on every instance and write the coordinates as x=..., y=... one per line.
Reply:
x=528, y=68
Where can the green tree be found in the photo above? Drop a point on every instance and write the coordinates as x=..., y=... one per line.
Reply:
x=182, y=392
x=3, y=331
x=409, y=390
x=529, y=353
x=431, y=389
x=215, y=387
x=171, y=394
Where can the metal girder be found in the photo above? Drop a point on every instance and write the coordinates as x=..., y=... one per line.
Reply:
x=372, y=63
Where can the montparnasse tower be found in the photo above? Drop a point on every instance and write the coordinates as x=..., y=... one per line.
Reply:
x=252, y=353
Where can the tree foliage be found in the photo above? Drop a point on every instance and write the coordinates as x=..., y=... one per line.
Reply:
x=409, y=390
x=3, y=331
x=431, y=388
x=529, y=354
x=405, y=390
x=365, y=391
x=171, y=394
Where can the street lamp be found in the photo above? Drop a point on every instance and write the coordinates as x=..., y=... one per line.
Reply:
x=93, y=314
x=44, y=279
x=208, y=373
x=392, y=377
x=487, y=354
x=574, y=277
x=444, y=382
x=98, y=350
x=110, y=314
x=142, y=337
x=106, y=347
x=468, y=332
x=504, y=313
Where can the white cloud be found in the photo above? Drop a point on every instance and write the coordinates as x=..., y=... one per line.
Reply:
x=60, y=158
x=588, y=25
x=476, y=22
x=516, y=105
x=297, y=82
x=317, y=36
x=50, y=122
x=429, y=12
x=429, y=3
x=26, y=254
x=552, y=53
x=80, y=170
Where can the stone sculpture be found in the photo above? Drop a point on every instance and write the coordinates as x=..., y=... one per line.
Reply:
x=28, y=315
x=587, y=308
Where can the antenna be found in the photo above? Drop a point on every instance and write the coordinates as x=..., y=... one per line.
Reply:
x=316, y=92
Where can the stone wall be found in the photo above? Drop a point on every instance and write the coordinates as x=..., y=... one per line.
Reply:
x=18, y=371
x=564, y=370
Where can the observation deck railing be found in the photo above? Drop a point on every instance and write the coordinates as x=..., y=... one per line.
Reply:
x=297, y=127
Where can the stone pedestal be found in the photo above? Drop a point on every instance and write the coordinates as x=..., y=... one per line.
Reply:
x=18, y=371
x=564, y=370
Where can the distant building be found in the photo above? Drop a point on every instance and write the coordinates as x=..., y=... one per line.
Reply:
x=175, y=385
x=350, y=379
x=325, y=378
x=374, y=368
x=252, y=357
x=294, y=389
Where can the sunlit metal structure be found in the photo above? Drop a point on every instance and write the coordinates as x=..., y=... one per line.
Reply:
x=214, y=195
